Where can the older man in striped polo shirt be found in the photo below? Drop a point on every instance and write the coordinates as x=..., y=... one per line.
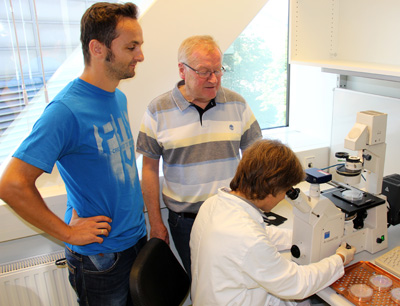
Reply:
x=199, y=129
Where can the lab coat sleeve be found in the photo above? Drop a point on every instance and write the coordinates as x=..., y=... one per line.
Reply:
x=284, y=278
x=281, y=238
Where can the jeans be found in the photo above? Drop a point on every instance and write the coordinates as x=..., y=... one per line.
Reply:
x=180, y=228
x=102, y=279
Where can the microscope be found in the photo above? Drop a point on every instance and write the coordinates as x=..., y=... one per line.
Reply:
x=324, y=219
x=368, y=137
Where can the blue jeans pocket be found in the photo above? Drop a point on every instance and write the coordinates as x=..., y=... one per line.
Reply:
x=104, y=262
x=72, y=275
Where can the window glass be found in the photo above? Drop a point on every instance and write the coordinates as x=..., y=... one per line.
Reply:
x=11, y=97
x=256, y=65
x=40, y=53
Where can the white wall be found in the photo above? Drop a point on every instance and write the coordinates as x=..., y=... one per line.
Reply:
x=165, y=25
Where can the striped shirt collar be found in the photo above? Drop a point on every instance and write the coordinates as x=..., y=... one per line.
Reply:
x=183, y=104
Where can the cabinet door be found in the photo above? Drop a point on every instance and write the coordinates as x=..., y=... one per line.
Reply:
x=358, y=36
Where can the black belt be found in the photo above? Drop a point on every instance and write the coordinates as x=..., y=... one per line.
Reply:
x=186, y=215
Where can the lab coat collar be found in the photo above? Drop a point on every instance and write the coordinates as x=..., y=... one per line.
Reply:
x=252, y=209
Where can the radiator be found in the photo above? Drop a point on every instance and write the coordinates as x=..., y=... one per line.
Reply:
x=36, y=281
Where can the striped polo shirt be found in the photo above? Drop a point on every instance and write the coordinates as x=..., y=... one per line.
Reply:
x=198, y=156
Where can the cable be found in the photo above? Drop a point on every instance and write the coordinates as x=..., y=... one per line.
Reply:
x=332, y=166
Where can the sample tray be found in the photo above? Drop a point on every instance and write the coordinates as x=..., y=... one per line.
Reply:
x=360, y=273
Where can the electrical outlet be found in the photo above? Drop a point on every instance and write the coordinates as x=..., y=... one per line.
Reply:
x=309, y=162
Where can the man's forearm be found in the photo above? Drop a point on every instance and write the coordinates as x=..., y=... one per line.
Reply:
x=151, y=196
x=18, y=190
x=31, y=207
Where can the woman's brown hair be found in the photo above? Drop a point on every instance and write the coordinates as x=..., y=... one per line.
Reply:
x=267, y=167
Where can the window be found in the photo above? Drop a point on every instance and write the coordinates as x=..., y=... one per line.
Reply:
x=256, y=65
x=40, y=53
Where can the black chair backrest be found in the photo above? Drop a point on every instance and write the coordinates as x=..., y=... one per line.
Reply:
x=157, y=277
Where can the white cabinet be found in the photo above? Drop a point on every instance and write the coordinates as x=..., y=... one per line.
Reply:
x=354, y=36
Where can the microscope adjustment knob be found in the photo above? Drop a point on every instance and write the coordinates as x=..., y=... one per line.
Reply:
x=367, y=157
x=295, y=251
x=380, y=239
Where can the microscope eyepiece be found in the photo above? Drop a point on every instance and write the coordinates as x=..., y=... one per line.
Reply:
x=293, y=193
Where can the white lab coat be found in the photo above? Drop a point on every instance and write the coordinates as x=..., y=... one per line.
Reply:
x=235, y=259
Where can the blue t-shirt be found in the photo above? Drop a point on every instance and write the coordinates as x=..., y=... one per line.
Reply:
x=86, y=131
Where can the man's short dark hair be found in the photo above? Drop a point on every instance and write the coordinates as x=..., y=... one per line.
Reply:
x=100, y=22
x=267, y=167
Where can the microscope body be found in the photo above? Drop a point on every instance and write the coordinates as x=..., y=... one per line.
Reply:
x=323, y=220
x=317, y=233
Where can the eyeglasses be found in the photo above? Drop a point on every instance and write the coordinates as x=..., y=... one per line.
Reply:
x=205, y=74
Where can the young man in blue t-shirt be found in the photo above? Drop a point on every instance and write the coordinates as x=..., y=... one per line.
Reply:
x=85, y=131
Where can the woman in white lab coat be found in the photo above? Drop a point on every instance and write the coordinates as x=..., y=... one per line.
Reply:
x=235, y=257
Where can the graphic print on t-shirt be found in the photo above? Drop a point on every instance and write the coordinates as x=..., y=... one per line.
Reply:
x=114, y=142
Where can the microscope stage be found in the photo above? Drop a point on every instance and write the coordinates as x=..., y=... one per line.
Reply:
x=348, y=206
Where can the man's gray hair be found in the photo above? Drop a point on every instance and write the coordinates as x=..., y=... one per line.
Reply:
x=190, y=44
